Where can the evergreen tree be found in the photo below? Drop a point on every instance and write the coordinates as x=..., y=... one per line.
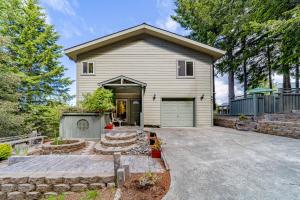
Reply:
x=35, y=52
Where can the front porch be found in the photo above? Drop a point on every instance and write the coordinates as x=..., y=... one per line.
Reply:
x=129, y=96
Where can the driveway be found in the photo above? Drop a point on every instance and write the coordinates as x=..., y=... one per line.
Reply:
x=220, y=163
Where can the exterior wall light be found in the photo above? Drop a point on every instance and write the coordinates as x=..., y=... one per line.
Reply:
x=154, y=96
x=202, y=97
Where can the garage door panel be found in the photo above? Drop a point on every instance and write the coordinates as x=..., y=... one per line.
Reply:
x=177, y=113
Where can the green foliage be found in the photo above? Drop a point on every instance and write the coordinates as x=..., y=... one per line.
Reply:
x=242, y=117
x=61, y=197
x=148, y=179
x=21, y=150
x=101, y=100
x=35, y=53
x=5, y=151
x=91, y=194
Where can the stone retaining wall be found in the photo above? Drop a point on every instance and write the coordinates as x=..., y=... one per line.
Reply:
x=38, y=187
x=287, y=129
x=63, y=148
x=228, y=122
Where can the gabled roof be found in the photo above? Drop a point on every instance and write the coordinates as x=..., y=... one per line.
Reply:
x=122, y=81
x=72, y=52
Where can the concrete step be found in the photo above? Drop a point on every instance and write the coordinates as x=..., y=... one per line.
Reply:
x=105, y=150
x=118, y=143
x=120, y=136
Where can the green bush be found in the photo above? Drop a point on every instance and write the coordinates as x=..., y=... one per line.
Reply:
x=5, y=151
x=100, y=100
x=243, y=117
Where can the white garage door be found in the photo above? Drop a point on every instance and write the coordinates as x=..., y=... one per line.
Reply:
x=177, y=113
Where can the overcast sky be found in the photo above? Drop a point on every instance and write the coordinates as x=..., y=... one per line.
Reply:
x=79, y=21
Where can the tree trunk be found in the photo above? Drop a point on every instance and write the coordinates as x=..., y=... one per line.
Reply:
x=286, y=81
x=230, y=86
x=214, y=88
x=269, y=68
x=245, y=79
x=297, y=78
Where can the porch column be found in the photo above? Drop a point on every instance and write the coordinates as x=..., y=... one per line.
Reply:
x=142, y=113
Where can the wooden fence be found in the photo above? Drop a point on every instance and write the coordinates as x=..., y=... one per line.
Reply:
x=256, y=105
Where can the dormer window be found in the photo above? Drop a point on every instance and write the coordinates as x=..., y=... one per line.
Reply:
x=87, y=68
x=185, y=69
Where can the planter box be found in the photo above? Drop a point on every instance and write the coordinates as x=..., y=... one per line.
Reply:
x=155, y=153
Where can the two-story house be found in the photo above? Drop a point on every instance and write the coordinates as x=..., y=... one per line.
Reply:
x=159, y=78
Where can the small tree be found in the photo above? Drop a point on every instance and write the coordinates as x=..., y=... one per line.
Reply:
x=100, y=100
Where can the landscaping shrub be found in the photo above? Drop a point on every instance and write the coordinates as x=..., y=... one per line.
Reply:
x=101, y=100
x=5, y=151
x=148, y=179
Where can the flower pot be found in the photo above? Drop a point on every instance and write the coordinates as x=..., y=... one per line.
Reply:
x=109, y=126
x=155, y=153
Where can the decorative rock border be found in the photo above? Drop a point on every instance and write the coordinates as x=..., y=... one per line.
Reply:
x=63, y=148
x=35, y=188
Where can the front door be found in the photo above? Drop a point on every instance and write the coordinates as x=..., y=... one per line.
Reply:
x=135, y=109
x=121, y=109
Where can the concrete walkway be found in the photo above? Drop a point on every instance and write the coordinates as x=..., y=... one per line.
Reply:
x=219, y=163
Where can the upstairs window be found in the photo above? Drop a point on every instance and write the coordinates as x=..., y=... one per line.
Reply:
x=87, y=68
x=185, y=69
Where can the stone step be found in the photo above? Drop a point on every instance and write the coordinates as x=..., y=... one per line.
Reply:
x=105, y=150
x=118, y=143
x=120, y=136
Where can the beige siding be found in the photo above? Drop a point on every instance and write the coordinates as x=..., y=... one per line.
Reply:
x=154, y=62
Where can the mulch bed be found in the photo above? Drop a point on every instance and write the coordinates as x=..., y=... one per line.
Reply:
x=107, y=194
x=132, y=191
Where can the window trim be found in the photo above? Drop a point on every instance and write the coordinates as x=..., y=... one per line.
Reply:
x=87, y=74
x=185, y=77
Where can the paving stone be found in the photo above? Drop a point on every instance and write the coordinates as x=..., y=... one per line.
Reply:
x=50, y=194
x=15, y=195
x=8, y=187
x=33, y=195
x=95, y=186
x=111, y=185
x=61, y=188
x=26, y=187
x=3, y=195
x=43, y=188
x=79, y=187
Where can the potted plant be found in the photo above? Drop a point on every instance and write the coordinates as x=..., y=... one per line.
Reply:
x=156, y=149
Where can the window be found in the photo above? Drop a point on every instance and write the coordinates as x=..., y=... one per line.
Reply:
x=185, y=69
x=87, y=68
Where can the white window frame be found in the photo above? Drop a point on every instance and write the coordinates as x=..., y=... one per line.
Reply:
x=87, y=74
x=185, y=61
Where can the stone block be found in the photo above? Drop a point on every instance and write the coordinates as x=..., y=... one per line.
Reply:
x=50, y=194
x=61, y=188
x=78, y=187
x=111, y=185
x=15, y=195
x=3, y=195
x=5, y=180
x=19, y=180
x=8, y=187
x=33, y=195
x=36, y=180
x=71, y=180
x=107, y=179
x=96, y=186
x=26, y=187
x=127, y=171
x=92, y=179
x=43, y=188
x=120, y=177
x=54, y=180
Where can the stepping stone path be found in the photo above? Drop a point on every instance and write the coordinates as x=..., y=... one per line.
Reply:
x=116, y=142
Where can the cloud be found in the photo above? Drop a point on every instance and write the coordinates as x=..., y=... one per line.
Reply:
x=62, y=6
x=221, y=87
x=48, y=18
x=165, y=4
x=168, y=24
x=68, y=30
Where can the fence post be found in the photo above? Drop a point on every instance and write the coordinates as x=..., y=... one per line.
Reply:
x=281, y=102
x=274, y=103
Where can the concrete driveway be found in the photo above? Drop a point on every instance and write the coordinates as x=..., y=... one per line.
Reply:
x=220, y=163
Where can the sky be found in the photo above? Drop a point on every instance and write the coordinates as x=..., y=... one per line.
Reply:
x=78, y=21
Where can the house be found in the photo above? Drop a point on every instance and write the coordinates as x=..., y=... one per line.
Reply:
x=159, y=78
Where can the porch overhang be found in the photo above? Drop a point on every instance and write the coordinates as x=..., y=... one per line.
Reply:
x=122, y=81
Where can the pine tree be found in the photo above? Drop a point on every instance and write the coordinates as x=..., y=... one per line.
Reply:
x=36, y=54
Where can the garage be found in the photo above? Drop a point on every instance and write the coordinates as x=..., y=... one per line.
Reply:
x=177, y=112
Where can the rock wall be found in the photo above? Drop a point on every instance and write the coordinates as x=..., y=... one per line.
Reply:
x=39, y=187
x=228, y=122
x=287, y=129
x=74, y=145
